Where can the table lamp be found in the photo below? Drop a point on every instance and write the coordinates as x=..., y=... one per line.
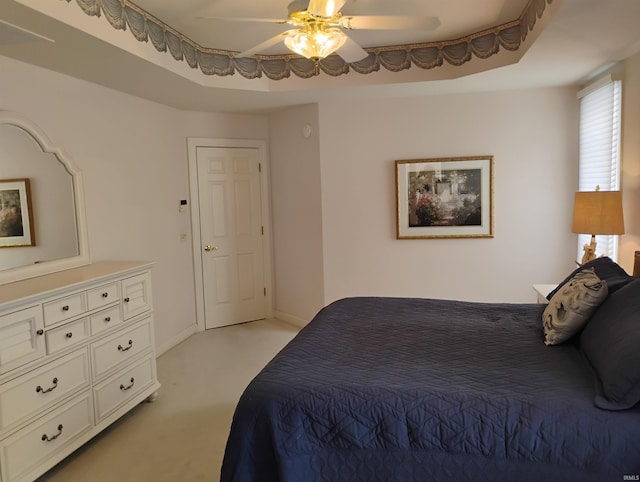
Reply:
x=597, y=212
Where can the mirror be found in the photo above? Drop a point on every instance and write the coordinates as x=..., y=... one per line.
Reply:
x=42, y=221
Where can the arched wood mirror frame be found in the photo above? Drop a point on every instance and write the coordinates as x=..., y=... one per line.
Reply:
x=82, y=258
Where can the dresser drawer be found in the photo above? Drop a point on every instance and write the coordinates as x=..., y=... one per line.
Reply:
x=103, y=296
x=64, y=308
x=29, y=447
x=120, y=347
x=21, y=339
x=26, y=395
x=105, y=319
x=136, y=295
x=123, y=386
x=67, y=336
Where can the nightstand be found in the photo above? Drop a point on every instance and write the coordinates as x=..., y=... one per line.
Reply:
x=542, y=291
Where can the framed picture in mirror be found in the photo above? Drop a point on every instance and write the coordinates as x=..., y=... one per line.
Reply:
x=16, y=216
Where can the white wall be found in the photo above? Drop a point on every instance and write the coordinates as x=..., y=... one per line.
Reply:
x=532, y=135
x=297, y=216
x=133, y=155
x=333, y=195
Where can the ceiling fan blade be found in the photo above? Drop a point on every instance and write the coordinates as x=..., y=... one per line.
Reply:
x=325, y=8
x=371, y=22
x=351, y=51
x=244, y=19
x=266, y=44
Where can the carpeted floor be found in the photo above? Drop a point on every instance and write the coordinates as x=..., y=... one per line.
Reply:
x=181, y=436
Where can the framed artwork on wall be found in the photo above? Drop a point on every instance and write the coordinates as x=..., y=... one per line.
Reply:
x=444, y=198
x=16, y=217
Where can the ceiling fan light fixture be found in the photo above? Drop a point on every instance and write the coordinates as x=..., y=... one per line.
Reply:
x=316, y=43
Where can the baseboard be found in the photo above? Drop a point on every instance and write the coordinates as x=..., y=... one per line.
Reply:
x=175, y=340
x=292, y=320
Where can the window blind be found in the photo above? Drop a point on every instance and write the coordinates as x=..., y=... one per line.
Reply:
x=599, y=162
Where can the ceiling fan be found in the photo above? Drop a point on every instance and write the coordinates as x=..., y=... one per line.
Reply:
x=319, y=29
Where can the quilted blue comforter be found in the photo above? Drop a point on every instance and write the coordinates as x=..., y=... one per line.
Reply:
x=396, y=389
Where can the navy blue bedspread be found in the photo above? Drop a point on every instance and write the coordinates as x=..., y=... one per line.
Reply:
x=395, y=389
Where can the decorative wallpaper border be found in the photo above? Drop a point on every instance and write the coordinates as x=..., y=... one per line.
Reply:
x=123, y=14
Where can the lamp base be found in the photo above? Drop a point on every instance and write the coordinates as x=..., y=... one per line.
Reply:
x=589, y=251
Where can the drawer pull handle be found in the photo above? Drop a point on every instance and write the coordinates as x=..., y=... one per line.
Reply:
x=127, y=299
x=69, y=335
x=65, y=308
x=46, y=438
x=107, y=319
x=40, y=332
x=105, y=295
x=129, y=347
x=124, y=389
x=50, y=389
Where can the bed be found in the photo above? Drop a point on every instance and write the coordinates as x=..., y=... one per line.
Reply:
x=402, y=389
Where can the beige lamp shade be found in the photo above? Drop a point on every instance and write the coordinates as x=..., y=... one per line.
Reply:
x=598, y=212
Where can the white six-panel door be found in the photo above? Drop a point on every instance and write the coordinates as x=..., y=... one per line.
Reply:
x=231, y=235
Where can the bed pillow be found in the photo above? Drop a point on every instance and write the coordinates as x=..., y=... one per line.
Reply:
x=571, y=307
x=611, y=344
x=606, y=269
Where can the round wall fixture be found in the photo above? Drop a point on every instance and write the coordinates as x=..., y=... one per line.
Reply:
x=306, y=131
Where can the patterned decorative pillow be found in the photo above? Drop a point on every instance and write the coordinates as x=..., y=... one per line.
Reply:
x=570, y=308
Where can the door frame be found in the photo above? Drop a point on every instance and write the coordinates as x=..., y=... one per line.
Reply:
x=265, y=205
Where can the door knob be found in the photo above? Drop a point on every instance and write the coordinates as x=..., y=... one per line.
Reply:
x=208, y=248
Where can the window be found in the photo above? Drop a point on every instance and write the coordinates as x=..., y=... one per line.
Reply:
x=600, y=150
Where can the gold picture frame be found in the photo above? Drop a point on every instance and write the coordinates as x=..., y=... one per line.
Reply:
x=16, y=216
x=448, y=197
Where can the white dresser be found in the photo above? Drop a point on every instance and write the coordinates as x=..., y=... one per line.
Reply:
x=76, y=353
